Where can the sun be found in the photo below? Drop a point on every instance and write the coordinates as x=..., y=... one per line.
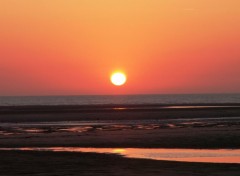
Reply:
x=118, y=78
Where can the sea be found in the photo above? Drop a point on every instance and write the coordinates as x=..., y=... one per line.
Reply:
x=28, y=127
x=30, y=123
x=121, y=99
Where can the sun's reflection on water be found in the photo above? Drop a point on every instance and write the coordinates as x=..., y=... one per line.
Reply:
x=119, y=150
x=184, y=155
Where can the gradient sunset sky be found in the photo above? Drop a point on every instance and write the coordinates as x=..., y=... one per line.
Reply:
x=70, y=47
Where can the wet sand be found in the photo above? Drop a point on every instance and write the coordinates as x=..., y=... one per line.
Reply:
x=115, y=112
x=197, y=137
x=166, y=130
x=16, y=163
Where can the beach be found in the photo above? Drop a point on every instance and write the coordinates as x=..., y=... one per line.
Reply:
x=49, y=163
x=119, y=87
x=200, y=126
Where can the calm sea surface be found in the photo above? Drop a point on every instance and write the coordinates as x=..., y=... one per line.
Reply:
x=120, y=99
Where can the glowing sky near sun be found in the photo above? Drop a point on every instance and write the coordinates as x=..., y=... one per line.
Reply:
x=163, y=46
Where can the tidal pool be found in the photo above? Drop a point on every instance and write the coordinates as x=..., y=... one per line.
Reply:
x=184, y=155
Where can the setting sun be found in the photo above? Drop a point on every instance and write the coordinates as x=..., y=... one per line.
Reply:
x=113, y=81
x=118, y=78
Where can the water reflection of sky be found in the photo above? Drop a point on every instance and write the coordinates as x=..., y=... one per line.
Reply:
x=186, y=155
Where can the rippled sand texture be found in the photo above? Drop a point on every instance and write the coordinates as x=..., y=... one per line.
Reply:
x=174, y=133
x=105, y=127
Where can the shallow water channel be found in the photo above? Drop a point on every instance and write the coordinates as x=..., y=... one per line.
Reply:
x=185, y=155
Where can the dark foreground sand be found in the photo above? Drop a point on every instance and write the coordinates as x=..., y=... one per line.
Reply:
x=197, y=137
x=15, y=163
x=207, y=134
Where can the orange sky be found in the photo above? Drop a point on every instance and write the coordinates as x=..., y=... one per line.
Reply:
x=70, y=47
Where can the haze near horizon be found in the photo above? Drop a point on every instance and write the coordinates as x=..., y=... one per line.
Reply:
x=60, y=47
